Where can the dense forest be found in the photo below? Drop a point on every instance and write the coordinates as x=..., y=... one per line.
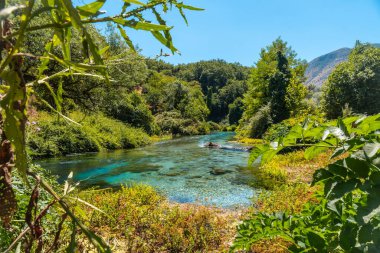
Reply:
x=68, y=88
x=147, y=94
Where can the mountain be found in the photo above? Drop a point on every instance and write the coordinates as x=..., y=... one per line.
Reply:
x=321, y=67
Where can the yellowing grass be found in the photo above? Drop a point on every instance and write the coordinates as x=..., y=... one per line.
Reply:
x=138, y=219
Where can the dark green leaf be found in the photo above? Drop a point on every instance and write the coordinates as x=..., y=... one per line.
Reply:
x=316, y=240
x=365, y=233
x=359, y=167
x=321, y=174
x=342, y=188
x=375, y=178
x=347, y=237
x=337, y=169
x=343, y=127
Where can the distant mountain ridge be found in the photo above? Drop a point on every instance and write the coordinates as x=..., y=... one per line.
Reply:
x=321, y=67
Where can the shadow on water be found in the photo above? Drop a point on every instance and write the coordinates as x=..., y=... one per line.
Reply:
x=182, y=169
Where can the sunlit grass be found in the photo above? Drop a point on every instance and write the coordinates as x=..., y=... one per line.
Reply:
x=248, y=141
x=138, y=219
x=289, y=168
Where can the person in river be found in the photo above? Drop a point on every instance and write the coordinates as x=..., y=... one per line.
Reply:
x=212, y=145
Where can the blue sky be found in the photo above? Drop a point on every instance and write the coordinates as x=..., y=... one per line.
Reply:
x=236, y=30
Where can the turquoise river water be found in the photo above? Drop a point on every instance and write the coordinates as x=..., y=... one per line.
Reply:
x=182, y=169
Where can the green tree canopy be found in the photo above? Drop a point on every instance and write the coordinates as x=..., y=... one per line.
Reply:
x=277, y=79
x=355, y=83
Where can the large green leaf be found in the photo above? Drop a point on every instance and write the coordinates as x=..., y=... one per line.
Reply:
x=164, y=41
x=91, y=9
x=74, y=14
x=313, y=151
x=316, y=240
x=256, y=153
x=365, y=233
x=321, y=175
x=134, y=2
x=192, y=8
x=343, y=127
x=126, y=38
x=141, y=25
x=347, y=237
x=336, y=132
x=359, y=167
x=338, y=169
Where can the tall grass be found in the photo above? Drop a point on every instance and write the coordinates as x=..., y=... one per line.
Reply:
x=144, y=221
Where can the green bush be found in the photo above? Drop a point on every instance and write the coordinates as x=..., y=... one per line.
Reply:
x=48, y=136
x=355, y=82
x=214, y=126
x=346, y=218
x=281, y=129
x=257, y=124
x=132, y=109
x=172, y=122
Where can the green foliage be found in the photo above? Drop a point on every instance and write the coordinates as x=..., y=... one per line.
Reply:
x=258, y=123
x=173, y=122
x=49, y=137
x=221, y=82
x=277, y=88
x=179, y=106
x=235, y=111
x=276, y=80
x=354, y=83
x=131, y=109
x=347, y=217
x=276, y=131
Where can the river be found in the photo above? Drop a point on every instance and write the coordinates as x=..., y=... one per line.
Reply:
x=182, y=169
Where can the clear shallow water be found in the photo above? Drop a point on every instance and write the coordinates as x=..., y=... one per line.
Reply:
x=181, y=168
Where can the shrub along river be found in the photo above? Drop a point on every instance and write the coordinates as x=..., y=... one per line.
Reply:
x=182, y=169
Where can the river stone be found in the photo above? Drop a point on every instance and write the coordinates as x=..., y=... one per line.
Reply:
x=171, y=174
x=217, y=171
x=194, y=177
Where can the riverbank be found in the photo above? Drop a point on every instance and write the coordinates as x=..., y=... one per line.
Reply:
x=138, y=219
x=49, y=137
